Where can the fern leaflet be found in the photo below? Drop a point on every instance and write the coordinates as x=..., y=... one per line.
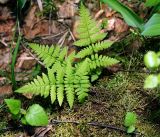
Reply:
x=49, y=55
x=88, y=30
x=94, y=48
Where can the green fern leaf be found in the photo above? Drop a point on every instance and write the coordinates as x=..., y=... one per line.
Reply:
x=60, y=94
x=69, y=81
x=94, y=48
x=101, y=61
x=53, y=93
x=49, y=55
x=60, y=84
x=39, y=86
x=88, y=30
x=81, y=81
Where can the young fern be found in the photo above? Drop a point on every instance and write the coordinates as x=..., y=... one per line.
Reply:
x=65, y=78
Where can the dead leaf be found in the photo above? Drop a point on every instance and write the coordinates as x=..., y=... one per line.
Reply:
x=67, y=10
x=5, y=13
x=25, y=61
x=5, y=91
x=42, y=131
x=30, y=18
x=120, y=26
x=114, y=68
x=4, y=58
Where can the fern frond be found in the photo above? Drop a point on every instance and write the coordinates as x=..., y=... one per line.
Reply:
x=69, y=84
x=53, y=89
x=94, y=48
x=88, y=30
x=60, y=84
x=49, y=55
x=81, y=81
x=101, y=61
x=60, y=94
x=39, y=86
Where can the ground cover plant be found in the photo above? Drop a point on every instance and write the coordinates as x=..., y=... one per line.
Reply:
x=79, y=68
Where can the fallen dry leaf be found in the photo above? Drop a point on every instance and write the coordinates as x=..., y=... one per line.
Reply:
x=120, y=26
x=4, y=58
x=67, y=10
x=42, y=131
x=5, y=13
x=5, y=91
x=25, y=61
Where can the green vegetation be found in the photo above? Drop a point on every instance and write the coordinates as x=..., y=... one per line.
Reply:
x=34, y=115
x=66, y=76
x=130, y=121
x=152, y=62
x=150, y=28
x=119, y=105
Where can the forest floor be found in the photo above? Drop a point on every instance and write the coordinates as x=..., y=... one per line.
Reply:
x=118, y=90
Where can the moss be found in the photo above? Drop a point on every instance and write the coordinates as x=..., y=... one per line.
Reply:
x=108, y=103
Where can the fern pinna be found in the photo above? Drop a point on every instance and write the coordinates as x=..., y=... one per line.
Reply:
x=90, y=41
x=66, y=78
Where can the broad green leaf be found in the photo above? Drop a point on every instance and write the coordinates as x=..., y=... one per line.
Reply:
x=130, y=119
x=23, y=120
x=150, y=3
x=14, y=105
x=152, y=27
x=131, y=129
x=151, y=82
x=21, y=4
x=158, y=78
x=36, y=116
x=151, y=60
x=129, y=16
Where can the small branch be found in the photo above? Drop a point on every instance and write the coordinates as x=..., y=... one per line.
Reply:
x=94, y=124
x=3, y=42
x=2, y=130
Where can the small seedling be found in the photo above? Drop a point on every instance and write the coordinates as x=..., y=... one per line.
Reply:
x=130, y=122
x=34, y=115
x=152, y=62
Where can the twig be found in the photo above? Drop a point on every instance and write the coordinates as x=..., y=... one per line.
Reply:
x=94, y=124
x=123, y=70
x=4, y=43
x=10, y=128
x=52, y=36
x=33, y=56
x=72, y=34
x=62, y=39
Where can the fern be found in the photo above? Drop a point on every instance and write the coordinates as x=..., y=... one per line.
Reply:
x=88, y=30
x=66, y=80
